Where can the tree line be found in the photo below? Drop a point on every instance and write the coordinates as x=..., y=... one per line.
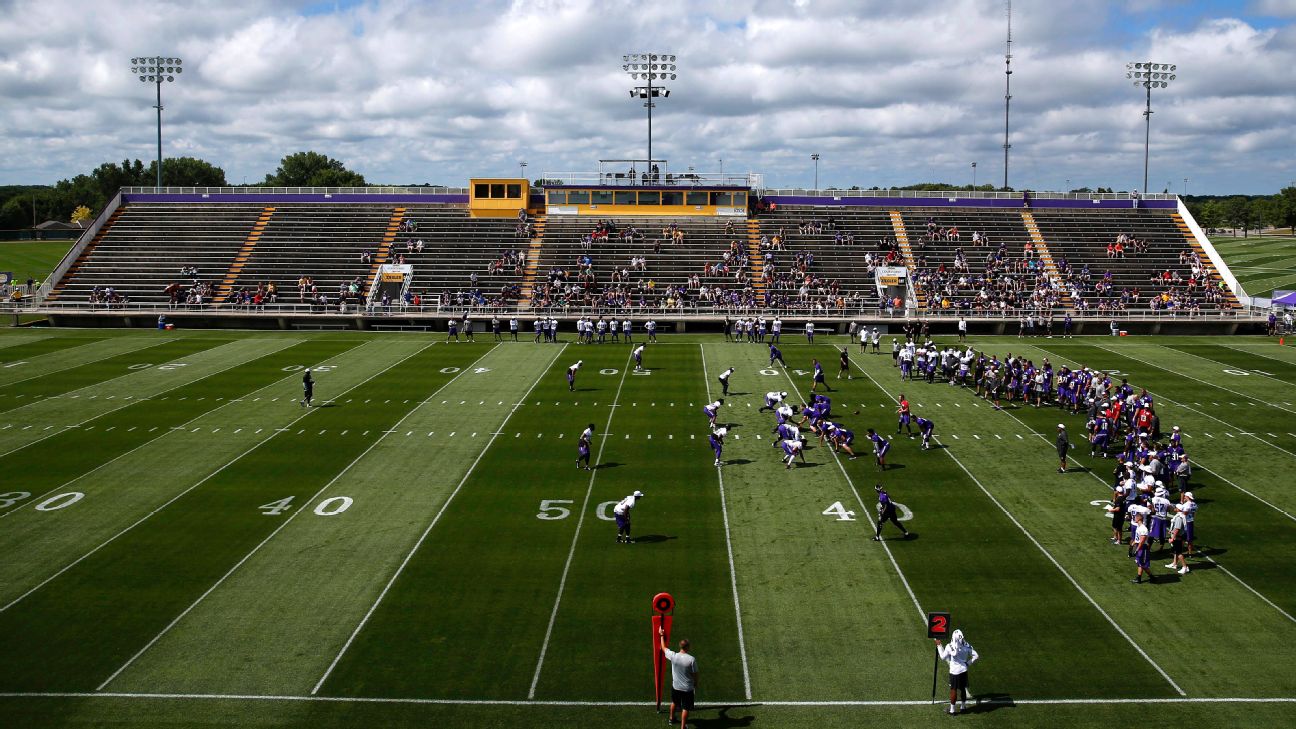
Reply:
x=1244, y=212
x=22, y=206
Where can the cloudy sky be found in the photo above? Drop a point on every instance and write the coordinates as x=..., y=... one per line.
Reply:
x=888, y=92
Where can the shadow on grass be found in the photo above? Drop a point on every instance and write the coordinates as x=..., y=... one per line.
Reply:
x=652, y=538
x=736, y=462
x=722, y=720
x=612, y=464
x=985, y=703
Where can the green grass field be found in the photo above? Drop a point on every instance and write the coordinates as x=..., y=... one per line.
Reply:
x=32, y=258
x=187, y=546
x=1261, y=263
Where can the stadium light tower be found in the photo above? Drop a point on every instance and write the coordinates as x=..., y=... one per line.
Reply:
x=974, y=175
x=1007, y=91
x=815, y=157
x=653, y=69
x=1149, y=76
x=155, y=70
x=522, y=169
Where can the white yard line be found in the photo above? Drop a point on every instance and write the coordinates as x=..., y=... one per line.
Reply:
x=111, y=379
x=42, y=373
x=1285, y=614
x=185, y=424
x=436, y=519
x=1286, y=363
x=1199, y=463
x=170, y=501
x=287, y=521
x=1045, y=552
x=865, y=509
x=562, y=583
x=1106, y=486
x=1223, y=365
x=733, y=574
x=125, y=403
x=595, y=703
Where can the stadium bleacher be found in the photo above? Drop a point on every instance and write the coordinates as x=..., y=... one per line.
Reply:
x=148, y=250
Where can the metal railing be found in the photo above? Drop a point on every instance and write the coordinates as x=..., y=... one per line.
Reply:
x=964, y=194
x=75, y=251
x=431, y=190
x=641, y=178
x=870, y=312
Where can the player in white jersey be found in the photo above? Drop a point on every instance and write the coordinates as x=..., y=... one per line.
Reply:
x=621, y=512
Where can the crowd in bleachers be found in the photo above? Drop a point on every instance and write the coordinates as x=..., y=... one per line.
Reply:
x=1001, y=283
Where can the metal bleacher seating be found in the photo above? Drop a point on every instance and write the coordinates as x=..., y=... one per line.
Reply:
x=1081, y=238
x=144, y=248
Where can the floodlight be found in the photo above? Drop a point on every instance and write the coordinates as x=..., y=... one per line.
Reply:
x=1149, y=76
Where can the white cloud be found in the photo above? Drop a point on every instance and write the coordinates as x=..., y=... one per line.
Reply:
x=888, y=93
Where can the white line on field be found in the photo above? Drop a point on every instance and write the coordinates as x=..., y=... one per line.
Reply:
x=118, y=377
x=185, y=424
x=1192, y=377
x=124, y=404
x=580, y=522
x=1198, y=461
x=170, y=501
x=73, y=366
x=1285, y=614
x=401, y=567
x=733, y=575
x=579, y=703
x=272, y=534
x=1047, y=554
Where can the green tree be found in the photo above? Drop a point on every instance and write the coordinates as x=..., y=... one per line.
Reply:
x=1287, y=208
x=312, y=169
x=185, y=172
x=1237, y=213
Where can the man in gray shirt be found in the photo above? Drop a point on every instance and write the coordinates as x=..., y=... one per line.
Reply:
x=684, y=677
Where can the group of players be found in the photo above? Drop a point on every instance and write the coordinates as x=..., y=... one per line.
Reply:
x=1150, y=496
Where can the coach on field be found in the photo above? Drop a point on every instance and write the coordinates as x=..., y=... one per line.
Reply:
x=684, y=676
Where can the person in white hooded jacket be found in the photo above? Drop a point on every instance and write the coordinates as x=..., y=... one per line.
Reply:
x=960, y=655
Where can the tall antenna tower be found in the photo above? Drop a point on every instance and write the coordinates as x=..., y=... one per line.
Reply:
x=1007, y=91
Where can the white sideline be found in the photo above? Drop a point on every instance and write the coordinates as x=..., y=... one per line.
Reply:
x=185, y=424
x=1041, y=548
x=562, y=584
x=865, y=509
x=141, y=519
x=733, y=574
x=285, y=523
x=435, y=519
x=580, y=703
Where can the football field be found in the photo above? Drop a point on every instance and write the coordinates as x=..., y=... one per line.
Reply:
x=185, y=544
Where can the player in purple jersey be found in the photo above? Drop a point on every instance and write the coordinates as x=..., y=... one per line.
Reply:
x=776, y=355
x=880, y=447
x=571, y=374
x=842, y=439
x=886, y=509
x=583, y=448
x=818, y=376
x=712, y=410
x=926, y=428
x=717, y=444
x=824, y=403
